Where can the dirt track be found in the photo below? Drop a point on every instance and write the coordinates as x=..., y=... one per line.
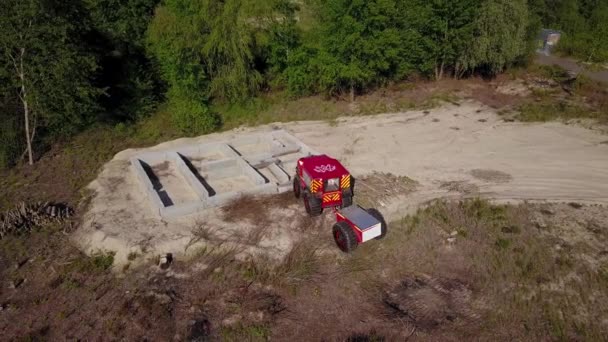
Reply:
x=457, y=144
x=464, y=150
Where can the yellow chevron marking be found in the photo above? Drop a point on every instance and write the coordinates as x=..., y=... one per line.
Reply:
x=345, y=182
x=315, y=185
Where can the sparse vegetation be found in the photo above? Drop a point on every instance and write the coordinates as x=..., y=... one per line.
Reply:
x=98, y=262
x=492, y=261
x=564, y=98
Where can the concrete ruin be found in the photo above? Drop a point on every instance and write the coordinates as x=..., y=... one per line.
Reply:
x=184, y=180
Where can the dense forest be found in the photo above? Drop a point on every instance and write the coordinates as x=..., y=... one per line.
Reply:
x=66, y=65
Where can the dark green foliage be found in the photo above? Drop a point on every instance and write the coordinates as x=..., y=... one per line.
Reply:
x=445, y=29
x=11, y=143
x=283, y=39
x=357, y=45
x=175, y=38
x=501, y=29
x=42, y=50
x=210, y=50
x=132, y=83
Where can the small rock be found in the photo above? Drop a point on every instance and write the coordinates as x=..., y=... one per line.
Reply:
x=454, y=233
x=165, y=261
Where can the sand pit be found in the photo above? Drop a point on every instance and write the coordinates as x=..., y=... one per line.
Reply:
x=495, y=159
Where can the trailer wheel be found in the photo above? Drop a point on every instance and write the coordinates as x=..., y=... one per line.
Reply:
x=297, y=188
x=312, y=204
x=383, y=227
x=345, y=237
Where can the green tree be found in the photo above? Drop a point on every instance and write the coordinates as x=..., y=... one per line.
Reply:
x=443, y=29
x=358, y=45
x=212, y=50
x=501, y=32
x=176, y=37
x=584, y=28
x=48, y=69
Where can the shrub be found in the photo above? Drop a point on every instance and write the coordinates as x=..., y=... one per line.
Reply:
x=191, y=116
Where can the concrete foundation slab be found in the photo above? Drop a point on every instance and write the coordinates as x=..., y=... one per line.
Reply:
x=184, y=180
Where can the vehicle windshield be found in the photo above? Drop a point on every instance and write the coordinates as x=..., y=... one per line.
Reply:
x=332, y=184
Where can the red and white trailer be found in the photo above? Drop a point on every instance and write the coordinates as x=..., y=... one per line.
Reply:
x=323, y=182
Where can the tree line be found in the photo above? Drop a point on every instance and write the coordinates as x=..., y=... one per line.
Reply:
x=68, y=64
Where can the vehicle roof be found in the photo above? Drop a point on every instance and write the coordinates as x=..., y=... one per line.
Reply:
x=322, y=166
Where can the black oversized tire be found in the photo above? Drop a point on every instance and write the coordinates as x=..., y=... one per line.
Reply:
x=313, y=205
x=297, y=188
x=383, y=226
x=345, y=237
x=347, y=201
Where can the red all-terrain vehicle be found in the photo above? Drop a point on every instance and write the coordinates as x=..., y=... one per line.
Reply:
x=322, y=182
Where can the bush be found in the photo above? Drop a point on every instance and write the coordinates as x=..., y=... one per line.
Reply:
x=192, y=117
x=301, y=77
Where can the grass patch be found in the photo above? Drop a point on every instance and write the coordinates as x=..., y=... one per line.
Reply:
x=301, y=264
x=96, y=263
x=245, y=333
x=568, y=98
x=551, y=109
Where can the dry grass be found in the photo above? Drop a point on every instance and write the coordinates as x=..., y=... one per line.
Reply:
x=302, y=263
x=453, y=271
x=256, y=209
x=558, y=96
x=516, y=271
x=381, y=187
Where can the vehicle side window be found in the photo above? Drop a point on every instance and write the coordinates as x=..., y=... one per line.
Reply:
x=306, y=178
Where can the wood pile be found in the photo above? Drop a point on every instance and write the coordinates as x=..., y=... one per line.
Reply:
x=26, y=217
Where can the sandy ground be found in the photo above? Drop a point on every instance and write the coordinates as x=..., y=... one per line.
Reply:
x=451, y=151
